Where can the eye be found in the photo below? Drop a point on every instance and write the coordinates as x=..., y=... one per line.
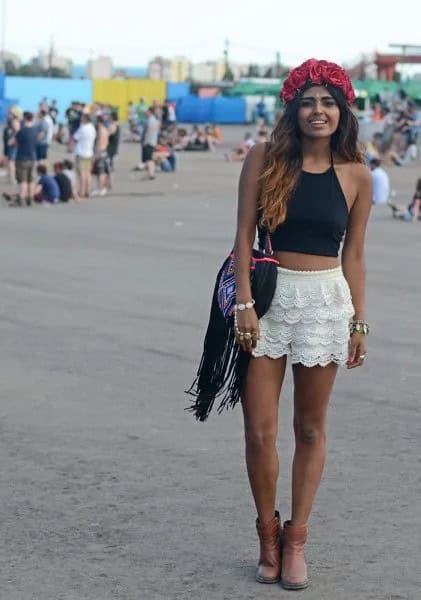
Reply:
x=329, y=102
x=306, y=102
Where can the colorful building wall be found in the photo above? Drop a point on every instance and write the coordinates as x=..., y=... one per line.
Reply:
x=119, y=92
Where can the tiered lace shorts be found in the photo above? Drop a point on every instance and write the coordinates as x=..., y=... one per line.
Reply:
x=308, y=318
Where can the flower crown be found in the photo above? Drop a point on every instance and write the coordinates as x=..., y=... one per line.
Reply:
x=319, y=72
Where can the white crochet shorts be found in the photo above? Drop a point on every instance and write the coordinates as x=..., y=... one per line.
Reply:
x=308, y=318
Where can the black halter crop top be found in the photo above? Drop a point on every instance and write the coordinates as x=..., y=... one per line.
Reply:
x=317, y=216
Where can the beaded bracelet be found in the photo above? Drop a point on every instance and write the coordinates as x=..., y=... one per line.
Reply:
x=358, y=326
x=243, y=306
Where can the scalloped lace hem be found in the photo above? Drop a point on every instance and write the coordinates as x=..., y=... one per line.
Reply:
x=307, y=361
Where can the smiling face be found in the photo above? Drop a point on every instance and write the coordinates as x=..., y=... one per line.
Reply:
x=318, y=113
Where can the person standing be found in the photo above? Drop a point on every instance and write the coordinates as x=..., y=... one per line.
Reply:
x=10, y=145
x=26, y=139
x=84, y=151
x=149, y=141
x=102, y=161
x=42, y=128
x=113, y=143
x=261, y=112
x=306, y=190
x=141, y=111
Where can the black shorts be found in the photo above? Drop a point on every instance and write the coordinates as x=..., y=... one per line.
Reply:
x=102, y=165
x=42, y=151
x=147, y=153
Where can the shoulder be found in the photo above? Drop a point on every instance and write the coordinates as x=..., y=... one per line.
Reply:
x=256, y=154
x=360, y=173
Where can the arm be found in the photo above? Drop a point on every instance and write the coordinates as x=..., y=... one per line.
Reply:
x=353, y=262
x=248, y=197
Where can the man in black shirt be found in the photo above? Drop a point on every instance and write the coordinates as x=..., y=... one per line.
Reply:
x=26, y=139
x=63, y=182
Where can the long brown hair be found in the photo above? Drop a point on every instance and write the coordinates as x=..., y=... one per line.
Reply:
x=283, y=160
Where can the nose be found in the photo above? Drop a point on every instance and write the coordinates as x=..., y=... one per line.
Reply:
x=318, y=106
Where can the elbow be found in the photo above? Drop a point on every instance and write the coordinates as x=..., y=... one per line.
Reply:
x=353, y=260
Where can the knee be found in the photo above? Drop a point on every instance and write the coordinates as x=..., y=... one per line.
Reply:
x=309, y=432
x=260, y=437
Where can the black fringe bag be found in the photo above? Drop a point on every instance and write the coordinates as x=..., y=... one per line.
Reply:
x=223, y=367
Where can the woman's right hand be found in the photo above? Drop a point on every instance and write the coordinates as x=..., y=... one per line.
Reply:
x=247, y=329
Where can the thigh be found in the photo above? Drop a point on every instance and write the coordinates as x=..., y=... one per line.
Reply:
x=19, y=171
x=312, y=389
x=263, y=386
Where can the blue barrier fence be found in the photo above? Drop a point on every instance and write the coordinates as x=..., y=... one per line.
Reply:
x=176, y=91
x=192, y=109
x=2, y=83
x=30, y=90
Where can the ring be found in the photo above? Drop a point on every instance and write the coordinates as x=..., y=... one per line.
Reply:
x=362, y=356
x=247, y=335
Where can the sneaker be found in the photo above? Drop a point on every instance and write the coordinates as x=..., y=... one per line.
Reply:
x=103, y=192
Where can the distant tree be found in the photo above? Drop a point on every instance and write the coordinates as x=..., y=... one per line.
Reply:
x=253, y=71
x=56, y=72
x=10, y=67
x=228, y=75
x=34, y=69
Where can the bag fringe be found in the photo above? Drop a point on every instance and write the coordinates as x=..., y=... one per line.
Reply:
x=223, y=366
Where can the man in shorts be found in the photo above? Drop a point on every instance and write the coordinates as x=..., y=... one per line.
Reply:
x=26, y=139
x=149, y=141
x=102, y=160
x=84, y=150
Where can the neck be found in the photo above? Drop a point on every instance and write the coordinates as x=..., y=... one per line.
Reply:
x=316, y=150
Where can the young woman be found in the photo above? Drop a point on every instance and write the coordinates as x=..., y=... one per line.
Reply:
x=310, y=189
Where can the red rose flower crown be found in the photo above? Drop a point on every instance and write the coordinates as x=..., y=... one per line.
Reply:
x=318, y=72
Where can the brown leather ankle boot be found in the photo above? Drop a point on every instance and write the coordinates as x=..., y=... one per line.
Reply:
x=294, y=568
x=269, y=568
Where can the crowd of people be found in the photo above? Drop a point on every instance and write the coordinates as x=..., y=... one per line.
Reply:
x=92, y=133
x=27, y=138
x=396, y=141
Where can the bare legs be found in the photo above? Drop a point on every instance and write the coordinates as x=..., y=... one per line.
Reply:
x=260, y=406
x=85, y=183
x=312, y=388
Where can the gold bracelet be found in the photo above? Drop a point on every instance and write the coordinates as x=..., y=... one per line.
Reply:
x=358, y=326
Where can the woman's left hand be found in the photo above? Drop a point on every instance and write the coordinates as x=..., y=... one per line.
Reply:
x=357, y=351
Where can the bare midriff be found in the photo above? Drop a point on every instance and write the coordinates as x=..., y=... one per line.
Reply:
x=296, y=261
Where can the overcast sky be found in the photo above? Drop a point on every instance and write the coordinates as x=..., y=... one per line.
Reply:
x=132, y=31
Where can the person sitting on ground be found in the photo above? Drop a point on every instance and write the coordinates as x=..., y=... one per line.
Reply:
x=239, y=154
x=47, y=189
x=164, y=155
x=70, y=173
x=198, y=140
x=381, y=182
x=262, y=136
x=63, y=182
x=182, y=139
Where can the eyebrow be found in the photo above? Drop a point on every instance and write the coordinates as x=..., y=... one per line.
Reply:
x=314, y=98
